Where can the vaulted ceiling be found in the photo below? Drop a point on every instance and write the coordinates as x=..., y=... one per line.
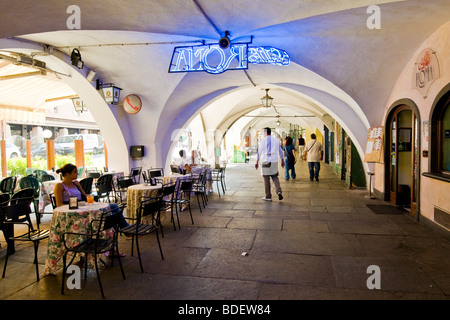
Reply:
x=337, y=62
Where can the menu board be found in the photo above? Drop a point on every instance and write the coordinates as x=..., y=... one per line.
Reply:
x=374, y=147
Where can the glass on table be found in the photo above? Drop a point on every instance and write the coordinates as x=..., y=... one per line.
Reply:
x=90, y=198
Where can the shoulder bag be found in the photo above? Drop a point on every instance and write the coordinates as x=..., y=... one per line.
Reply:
x=267, y=164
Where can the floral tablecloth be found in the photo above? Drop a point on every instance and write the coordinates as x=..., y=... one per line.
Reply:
x=68, y=220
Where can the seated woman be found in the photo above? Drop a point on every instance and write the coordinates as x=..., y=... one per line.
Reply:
x=70, y=187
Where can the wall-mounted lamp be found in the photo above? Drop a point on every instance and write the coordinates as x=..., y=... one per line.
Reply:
x=111, y=93
x=75, y=57
x=278, y=123
x=267, y=100
x=79, y=105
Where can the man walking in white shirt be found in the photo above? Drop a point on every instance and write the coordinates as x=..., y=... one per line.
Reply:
x=268, y=152
x=314, y=153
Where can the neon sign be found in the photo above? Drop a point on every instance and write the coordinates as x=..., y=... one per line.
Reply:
x=213, y=59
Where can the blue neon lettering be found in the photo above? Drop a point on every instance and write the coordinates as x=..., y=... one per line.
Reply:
x=220, y=66
x=198, y=54
x=213, y=59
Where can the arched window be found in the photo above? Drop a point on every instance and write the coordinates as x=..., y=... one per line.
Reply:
x=440, y=138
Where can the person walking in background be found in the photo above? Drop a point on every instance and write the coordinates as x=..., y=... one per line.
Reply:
x=290, y=159
x=301, y=146
x=314, y=154
x=268, y=152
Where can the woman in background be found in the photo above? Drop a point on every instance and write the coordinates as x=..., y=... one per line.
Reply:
x=290, y=159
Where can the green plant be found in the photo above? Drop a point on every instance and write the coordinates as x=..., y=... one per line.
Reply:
x=17, y=166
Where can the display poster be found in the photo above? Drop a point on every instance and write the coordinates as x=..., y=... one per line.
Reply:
x=374, y=147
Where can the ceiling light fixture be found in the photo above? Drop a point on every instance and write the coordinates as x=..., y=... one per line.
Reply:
x=75, y=57
x=267, y=100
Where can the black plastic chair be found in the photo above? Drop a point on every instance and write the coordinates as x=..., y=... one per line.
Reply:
x=18, y=213
x=122, y=185
x=148, y=207
x=8, y=184
x=32, y=182
x=104, y=186
x=4, y=197
x=86, y=184
x=46, y=177
x=22, y=194
x=94, y=243
x=4, y=201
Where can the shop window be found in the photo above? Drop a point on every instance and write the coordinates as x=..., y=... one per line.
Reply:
x=445, y=141
x=440, y=138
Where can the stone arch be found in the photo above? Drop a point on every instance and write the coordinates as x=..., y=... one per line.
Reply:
x=105, y=116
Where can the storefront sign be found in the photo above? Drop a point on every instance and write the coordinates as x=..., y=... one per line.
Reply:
x=213, y=59
x=426, y=71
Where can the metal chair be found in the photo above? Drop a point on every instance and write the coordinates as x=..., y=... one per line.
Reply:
x=148, y=207
x=95, y=243
x=183, y=197
x=217, y=175
x=136, y=174
x=157, y=174
x=199, y=189
x=168, y=194
x=144, y=176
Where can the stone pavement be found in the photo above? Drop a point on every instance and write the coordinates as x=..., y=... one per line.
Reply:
x=317, y=243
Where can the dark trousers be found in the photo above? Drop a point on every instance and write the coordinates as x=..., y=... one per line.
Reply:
x=314, y=168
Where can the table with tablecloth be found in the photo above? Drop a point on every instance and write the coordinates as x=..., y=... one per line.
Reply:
x=134, y=194
x=69, y=220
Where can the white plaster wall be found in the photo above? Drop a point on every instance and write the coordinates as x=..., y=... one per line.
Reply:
x=432, y=192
